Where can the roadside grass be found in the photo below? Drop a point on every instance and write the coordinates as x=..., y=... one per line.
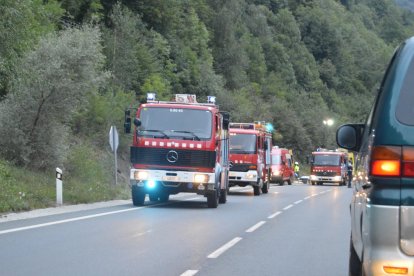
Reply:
x=87, y=177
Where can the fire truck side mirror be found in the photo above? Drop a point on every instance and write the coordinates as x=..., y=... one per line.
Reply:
x=137, y=122
x=127, y=122
x=226, y=120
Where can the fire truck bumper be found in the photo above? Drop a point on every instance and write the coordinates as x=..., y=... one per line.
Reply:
x=173, y=182
x=327, y=179
x=243, y=178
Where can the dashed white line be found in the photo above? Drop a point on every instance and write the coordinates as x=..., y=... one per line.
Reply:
x=225, y=247
x=299, y=201
x=287, y=207
x=275, y=193
x=189, y=273
x=254, y=227
x=66, y=220
x=307, y=197
x=274, y=215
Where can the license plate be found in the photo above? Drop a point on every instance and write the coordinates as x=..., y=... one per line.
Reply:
x=171, y=178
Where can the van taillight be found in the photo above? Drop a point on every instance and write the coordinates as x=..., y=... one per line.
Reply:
x=392, y=161
x=408, y=162
x=386, y=161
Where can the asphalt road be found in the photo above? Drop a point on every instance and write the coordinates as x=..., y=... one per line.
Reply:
x=292, y=230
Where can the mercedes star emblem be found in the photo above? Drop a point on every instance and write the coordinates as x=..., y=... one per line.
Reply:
x=172, y=156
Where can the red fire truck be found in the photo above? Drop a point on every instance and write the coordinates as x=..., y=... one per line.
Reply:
x=250, y=147
x=282, y=166
x=328, y=166
x=179, y=146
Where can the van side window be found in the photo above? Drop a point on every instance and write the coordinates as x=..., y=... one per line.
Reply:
x=405, y=111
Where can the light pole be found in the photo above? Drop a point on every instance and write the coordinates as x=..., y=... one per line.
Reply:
x=327, y=123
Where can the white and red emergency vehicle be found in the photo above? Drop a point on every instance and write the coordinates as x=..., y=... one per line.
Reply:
x=328, y=166
x=282, y=166
x=250, y=147
x=179, y=146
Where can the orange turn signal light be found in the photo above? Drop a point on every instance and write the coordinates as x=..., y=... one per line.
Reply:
x=386, y=167
x=252, y=167
x=395, y=270
x=386, y=161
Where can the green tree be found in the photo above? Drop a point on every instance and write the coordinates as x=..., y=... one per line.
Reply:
x=22, y=22
x=51, y=83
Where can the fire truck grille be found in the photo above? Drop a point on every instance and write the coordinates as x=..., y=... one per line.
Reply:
x=324, y=173
x=239, y=167
x=173, y=157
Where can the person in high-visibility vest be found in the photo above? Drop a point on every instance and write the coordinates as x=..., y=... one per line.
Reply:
x=296, y=170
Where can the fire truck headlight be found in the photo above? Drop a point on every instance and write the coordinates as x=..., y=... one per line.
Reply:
x=201, y=178
x=141, y=175
x=337, y=178
x=276, y=172
x=251, y=175
x=151, y=184
x=313, y=177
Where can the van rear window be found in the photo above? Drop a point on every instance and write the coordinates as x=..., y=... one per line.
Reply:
x=405, y=105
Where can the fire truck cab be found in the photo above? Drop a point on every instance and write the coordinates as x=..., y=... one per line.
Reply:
x=179, y=146
x=250, y=147
x=328, y=166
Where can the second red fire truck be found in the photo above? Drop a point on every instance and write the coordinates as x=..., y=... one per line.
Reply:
x=250, y=148
x=328, y=166
x=179, y=146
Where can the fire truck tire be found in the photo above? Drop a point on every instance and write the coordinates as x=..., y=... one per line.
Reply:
x=138, y=197
x=153, y=197
x=223, y=196
x=212, y=200
x=164, y=197
x=265, y=188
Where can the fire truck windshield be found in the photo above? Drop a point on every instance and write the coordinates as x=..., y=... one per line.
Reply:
x=326, y=160
x=242, y=143
x=182, y=123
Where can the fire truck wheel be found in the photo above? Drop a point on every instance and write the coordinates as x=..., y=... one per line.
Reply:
x=164, y=197
x=138, y=196
x=153, y=197
x=223, y=196
x=265, y=188
x=212, y=199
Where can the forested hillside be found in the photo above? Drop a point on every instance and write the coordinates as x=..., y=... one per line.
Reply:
x=69, y=68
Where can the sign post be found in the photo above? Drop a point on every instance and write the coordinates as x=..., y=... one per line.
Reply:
x=59, y=188
x=114, y=142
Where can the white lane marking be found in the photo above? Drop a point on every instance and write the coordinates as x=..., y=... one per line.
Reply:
x=254, y=227
x=189, y=273
x=299, y=201
x=307, y=197
x=66, y=220
x=225, y=247
x=287, y=207
x=322, y=192
x=274, y=215
x=314, y=195
x=276, y=193
x=141, y=234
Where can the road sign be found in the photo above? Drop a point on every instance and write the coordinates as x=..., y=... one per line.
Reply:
x=113, y=138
